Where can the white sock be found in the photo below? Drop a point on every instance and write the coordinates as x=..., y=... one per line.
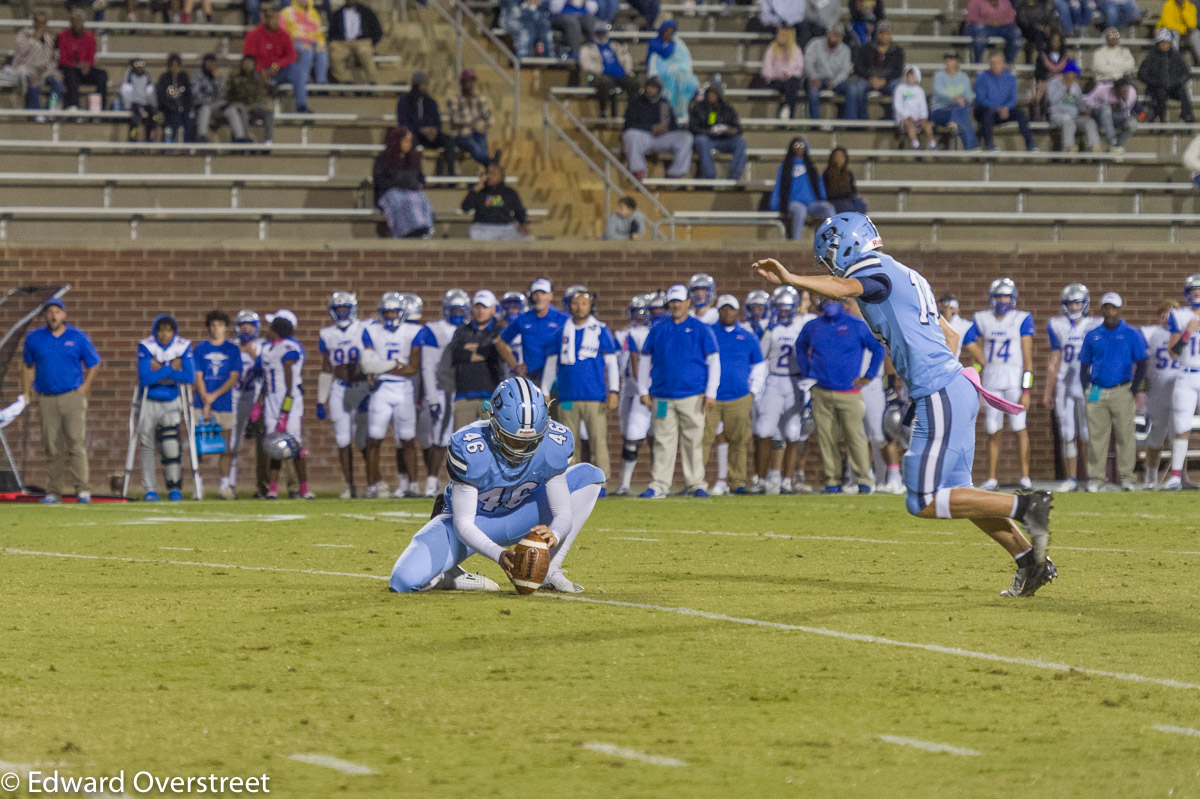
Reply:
x=1151, y=475
x=722, y=461
x=774, y=476
x=1179, y=450
x=627, y=468
x=224, y=483
x=582, y=503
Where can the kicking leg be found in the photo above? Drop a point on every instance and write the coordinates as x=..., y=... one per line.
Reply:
x=584, y=493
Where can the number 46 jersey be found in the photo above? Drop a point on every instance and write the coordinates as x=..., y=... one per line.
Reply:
x=474, y=458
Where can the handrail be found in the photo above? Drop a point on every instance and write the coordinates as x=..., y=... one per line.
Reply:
x=610, y=160
x=456, y=21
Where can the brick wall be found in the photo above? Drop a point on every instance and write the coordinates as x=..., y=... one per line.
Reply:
x=117, y=293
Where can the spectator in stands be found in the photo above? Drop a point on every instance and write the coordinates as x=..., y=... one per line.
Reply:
x=470, y=119
x=799, y=193
x=1122, y=13
x=668, y=59
x=911, y=109
x=303, y=23
x=953, y=101
x=1112, y=60
x=840, y=188
x=354, y=33
x=528, y=22
x=205, y=6
x=781, y=13
x=174, y=93
x=1049, y=64
x=607, y=65
x=987, y=18
x=77, y=60
x=878, y=67
x=1165, y=75
x=1074, y=15
x=208, y=96
x=1180, y=16
x=274, y=53
x=865, y=16
x=650, y=127
x=996, y=102
x=575, y=19
x=1112, y=105
x=649, y=9
x=626, y=223
x=715, y=127
x=820, y=17
x=1068, y=110
x=499, y=212
x=418, y=112
x=249, y=102
x=1038, y=21
x=829, y=66
x=140, y=97
x=33, y=60
x=400, y=187
x=253, y=12
x=783, y=70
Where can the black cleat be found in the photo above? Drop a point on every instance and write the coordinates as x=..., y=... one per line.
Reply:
x=1037, y=522
x=1027, y=581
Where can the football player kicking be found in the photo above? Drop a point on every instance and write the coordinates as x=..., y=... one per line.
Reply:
x=508, y=477
x=900, y=308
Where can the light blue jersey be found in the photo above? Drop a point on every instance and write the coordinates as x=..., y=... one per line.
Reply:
x=474, y=459
x=899, y=306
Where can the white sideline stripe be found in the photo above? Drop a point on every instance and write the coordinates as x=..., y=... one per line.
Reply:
x=1176, y=730
x=929, y=746
x=633, y=754
x=860, y=637
x=180, y=549
x=336, y=546
x=876, y=639
x=335, y=763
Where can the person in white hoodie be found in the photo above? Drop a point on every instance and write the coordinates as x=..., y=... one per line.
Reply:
x=911, y=109
x=140, y=97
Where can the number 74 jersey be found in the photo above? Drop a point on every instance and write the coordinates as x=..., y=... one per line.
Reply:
x=474, y=458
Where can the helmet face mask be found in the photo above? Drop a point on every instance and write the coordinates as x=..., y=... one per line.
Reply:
x=639, y=309
x=1075, y=301
x=455, y=306
x=513, y=303
x=389, y=302
x=785, y=302
x=247, y=319
x=842, y=240
x=343, y=308
x=1002, y=295
x=702, y=289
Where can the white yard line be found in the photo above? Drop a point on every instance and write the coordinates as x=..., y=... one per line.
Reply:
x=1176, y=730
x=180, y=549
x=335, y=763
x=631, y=538
x=632, y=754
x=9, y=551
x=928, y=746
x=335, y=546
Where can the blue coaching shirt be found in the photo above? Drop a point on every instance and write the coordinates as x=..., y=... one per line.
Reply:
x=539, y=336
x=740, y=351
x=583, y=381
x=1112, y=353
x=59, y=361
x=215, y=363
x=837, y=346
x=678, y=357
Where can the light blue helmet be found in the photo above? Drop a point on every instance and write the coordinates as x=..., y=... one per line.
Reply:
x=1002, y=294
x=520, y=417
x=843, y=239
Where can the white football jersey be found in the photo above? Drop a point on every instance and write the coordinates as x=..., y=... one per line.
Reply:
x=286, y=353
x=392, y=345
x=779, y=344
x=629, y=338
x=1190, y=357
x=1164, y=367
x=1067, y=336
x=440, y=331
x=251, y=380
x=342, y=345
x=1000, y=338
x=709, y=316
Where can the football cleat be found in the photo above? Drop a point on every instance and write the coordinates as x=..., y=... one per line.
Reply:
x=832, y=489
x=1094, y=486
x=650, y=493
x=83, y=497
x=1027, y=581
x=308, y=495
x=227, y=492
x=431, y=486
x=1037, y=522
x=1067, y=486
x=52, y=499
x=1026, y=484
x=1127, y=485
x=347, y=493
x=150, y=496
x=1174, y=483
x=719, y=489
x=175, y=495
x=895, y=484
x=866, y=489
x=559, y=582
x=623, y=491
x=458, y=579
x=991, y=484
x=700, y=493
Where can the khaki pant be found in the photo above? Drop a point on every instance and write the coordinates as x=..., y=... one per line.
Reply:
x=467, y=411
x=347, y=59
x=682, y=424
x=840, y=414
x=64, y=430
x=736, y=416
x=595, y=416
x=1112, y=414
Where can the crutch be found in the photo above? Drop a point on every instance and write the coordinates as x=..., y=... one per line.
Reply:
x=189, y=420
x=137, y=407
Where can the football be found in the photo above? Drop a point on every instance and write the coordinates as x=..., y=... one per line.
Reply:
x=531, y=561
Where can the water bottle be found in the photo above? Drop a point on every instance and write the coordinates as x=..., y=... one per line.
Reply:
x=55, y=102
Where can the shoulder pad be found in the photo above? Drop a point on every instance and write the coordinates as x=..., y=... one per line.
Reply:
x=469, y=457
x=557, y=447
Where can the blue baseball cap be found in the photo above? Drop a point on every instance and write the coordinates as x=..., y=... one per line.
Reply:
x=54, y=301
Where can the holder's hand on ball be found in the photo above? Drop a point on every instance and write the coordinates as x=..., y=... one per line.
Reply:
x=507, y=563
x=546, y=534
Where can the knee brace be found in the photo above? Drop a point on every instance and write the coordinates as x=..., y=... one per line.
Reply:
x=629, y=452
x=168, y=442
x=1070, y=450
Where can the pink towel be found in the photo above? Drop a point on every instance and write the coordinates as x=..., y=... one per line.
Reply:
x=998, y=403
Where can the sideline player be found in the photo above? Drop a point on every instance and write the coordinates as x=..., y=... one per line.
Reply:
x=245, y=395
x=1008, y=334
x=341, y=387
x=632, y=415
x=780, y=413
x=900, y=308
x=1160, y=385
x=282, y=402
x=1184, y=325
x=1064, y=391
x=703, y=291
x=508, y=477
x=948, y=308
x=435, y=424
x=164, y=364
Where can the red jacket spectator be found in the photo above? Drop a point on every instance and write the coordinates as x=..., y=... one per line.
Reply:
x=77, y=51
x=269, y=47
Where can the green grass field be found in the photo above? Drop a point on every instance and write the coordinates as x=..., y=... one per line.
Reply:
x=782, y=646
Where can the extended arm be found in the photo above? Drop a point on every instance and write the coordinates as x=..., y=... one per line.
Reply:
x=839, y=288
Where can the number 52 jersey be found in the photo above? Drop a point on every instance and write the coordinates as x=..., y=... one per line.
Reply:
x=474, y=458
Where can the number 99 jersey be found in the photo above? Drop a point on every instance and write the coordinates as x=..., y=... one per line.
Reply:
x=474, y=459
x=343, y=345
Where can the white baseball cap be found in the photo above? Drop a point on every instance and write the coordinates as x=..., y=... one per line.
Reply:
x=728, y=299
x=484, y=297
x=677, y=292
x=541, y=284
x=1111, y=298
x=283, y=313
